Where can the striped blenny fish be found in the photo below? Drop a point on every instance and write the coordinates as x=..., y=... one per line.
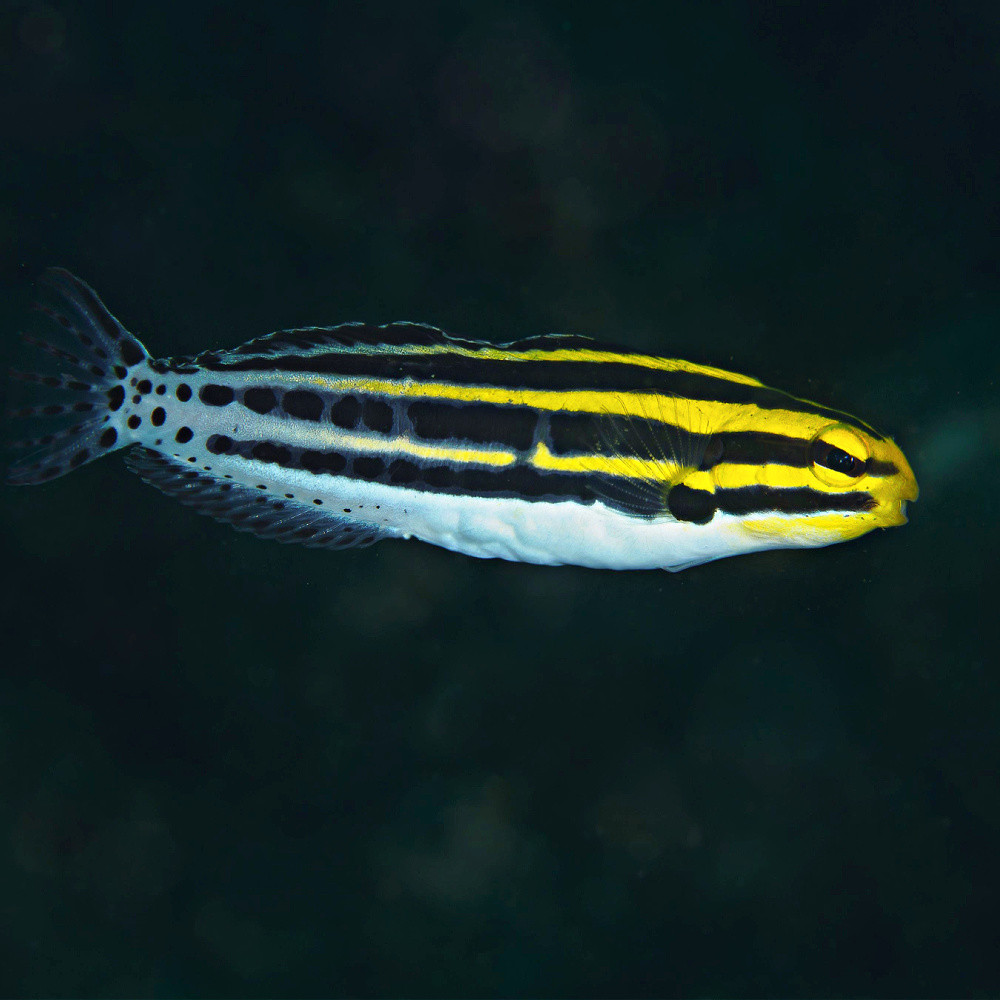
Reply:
x=555, y=449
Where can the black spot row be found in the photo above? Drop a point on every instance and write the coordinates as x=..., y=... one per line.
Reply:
x=517, y=480
x=480, y=423
x=347, y=412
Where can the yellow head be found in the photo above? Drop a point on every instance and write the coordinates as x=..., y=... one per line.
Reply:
x=796, y=473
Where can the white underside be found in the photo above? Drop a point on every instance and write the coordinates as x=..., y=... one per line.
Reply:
x=553, y=534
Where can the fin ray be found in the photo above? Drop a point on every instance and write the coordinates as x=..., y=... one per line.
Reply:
x=71, y=403
x=655, y=442
x=246, y=509
x=350, y=337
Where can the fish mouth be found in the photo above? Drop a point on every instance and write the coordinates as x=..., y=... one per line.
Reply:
x=893, y=513
x=909, y=496
x=904, y=504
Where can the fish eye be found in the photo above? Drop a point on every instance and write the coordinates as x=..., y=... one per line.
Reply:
x=839, y=455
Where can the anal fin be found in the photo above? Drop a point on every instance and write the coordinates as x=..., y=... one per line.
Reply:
x=250, y=510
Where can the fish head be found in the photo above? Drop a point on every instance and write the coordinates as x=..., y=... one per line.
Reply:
x=843, y=479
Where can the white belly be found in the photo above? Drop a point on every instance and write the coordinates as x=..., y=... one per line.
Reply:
x=552, y=534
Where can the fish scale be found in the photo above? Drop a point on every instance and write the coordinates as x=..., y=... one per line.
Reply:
x=550, y=449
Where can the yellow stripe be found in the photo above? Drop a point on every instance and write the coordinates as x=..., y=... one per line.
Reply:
x=312, y=437
x=722, y=476
x=490, y=352
x=612, y=465
x=467, y=456
x=733, y=476
x=695, y=415
x=581, y=354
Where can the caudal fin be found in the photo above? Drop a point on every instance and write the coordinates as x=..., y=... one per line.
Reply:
x=72, y=406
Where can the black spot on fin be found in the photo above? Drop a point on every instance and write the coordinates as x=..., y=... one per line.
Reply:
x=251, y=510
x=69, y=405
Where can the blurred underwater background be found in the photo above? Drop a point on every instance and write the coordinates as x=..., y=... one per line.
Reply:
x=236, y=768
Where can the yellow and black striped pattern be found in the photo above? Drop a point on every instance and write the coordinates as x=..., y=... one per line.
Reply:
x=551, y=419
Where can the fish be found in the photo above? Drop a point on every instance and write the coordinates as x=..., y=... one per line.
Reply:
x=552, y=449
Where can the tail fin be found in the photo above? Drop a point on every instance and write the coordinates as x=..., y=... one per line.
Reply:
x=72, y=408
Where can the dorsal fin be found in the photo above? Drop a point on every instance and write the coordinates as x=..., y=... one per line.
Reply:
x=347, y=337
x=552, y=342
x=358, y=336
x=250, y=510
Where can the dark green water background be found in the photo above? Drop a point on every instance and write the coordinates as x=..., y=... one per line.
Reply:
x=233, y=768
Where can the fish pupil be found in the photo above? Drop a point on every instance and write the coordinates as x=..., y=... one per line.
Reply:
x=831, y=457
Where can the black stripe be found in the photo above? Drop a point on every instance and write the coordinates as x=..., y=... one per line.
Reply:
x=528, y=483
x=635, y=437
x=557, y=376
x=700, y=506
x=799, y=500
x=760, y=448
x=478, y=423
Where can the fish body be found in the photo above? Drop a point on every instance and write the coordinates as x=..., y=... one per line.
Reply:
x=554, y=449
